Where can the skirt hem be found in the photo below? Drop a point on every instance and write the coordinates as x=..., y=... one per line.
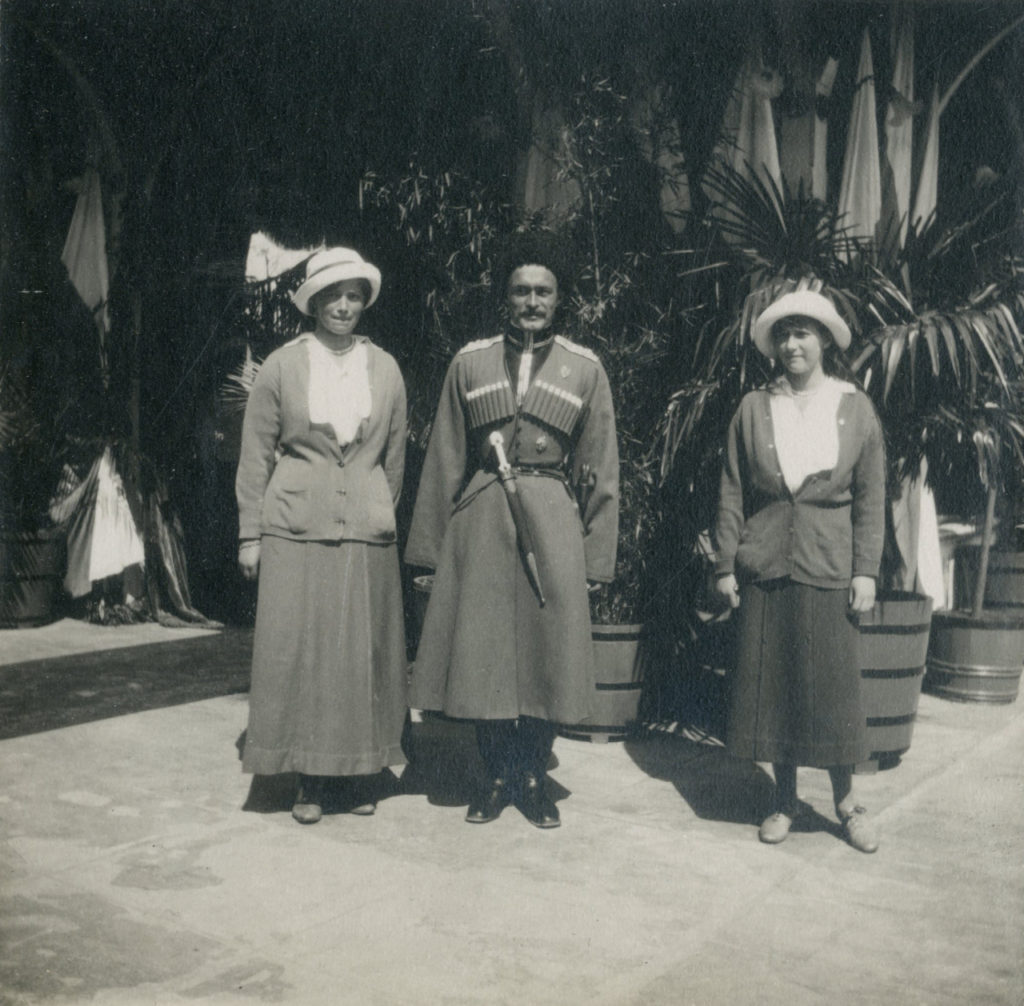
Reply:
x=262, y=762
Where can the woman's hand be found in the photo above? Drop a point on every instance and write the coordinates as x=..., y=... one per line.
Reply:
x=249, y=559
x=727, y=587
x=862, y=593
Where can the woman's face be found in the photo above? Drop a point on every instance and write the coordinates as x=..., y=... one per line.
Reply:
x=532, y=297
x=799, y=345
x=337, y=307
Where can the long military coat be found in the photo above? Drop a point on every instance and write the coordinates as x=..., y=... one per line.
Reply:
x=488, y=648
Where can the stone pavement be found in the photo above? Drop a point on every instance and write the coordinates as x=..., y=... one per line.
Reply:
x=139, y=867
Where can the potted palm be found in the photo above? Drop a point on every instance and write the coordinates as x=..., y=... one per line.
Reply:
x=31, y=462
x=949, y=381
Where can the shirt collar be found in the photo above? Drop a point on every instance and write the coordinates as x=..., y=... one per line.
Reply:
x=520, y=339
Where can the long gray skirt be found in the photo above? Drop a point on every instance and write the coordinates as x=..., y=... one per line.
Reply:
x=795, y=695
x=329, y=676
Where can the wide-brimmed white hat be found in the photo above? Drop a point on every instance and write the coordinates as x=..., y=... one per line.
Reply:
x=331, y=266
x=806, y=304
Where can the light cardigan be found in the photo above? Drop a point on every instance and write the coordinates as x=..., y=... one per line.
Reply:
x=831, y=529
x=293, y=479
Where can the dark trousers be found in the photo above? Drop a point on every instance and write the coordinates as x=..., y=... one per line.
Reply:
x=513, y=748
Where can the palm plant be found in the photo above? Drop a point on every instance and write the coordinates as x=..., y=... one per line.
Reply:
x=762, y=242
x=32, y=450
x=946, y=364
x=936, y=327
x=32, y=454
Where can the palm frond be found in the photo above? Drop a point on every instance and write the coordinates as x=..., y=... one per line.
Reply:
x=235, y=390
x=774, y=228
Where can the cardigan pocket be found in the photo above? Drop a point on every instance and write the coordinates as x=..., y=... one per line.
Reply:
x=288, y=508
x=378, y=508
x=831, y=553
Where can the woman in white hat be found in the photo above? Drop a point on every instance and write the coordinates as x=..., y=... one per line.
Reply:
x=798, y=544
x=320, y=473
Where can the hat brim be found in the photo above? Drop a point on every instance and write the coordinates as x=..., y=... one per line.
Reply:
x=806, y=304
x=332, y=274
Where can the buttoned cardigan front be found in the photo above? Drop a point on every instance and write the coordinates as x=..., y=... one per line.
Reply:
x=831, y=529
x=293, y=479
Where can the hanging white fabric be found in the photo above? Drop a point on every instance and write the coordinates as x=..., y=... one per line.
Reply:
x=542, y=182
x=916, y=531
x=267, y=259
x=927, y=196
x=860, y=193
x=747, y=139
x=899, y=124
x=85, y=257
x=102, y=537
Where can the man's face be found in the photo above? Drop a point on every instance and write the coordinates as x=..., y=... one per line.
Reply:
x=532, y=297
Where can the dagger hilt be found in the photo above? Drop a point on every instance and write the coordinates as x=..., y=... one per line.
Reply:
x=497, y=442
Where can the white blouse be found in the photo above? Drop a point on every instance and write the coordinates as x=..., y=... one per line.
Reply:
x=339, y=388
x=806, y=428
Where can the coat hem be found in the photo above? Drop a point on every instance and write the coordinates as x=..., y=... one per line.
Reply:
x=825, y=757
x=534, y=712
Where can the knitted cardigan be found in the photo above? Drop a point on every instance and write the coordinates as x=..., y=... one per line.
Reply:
x=293, y=479
x=831, y=529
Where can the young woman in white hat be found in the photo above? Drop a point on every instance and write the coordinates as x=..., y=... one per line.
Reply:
x=798, y=544
x=320, y=473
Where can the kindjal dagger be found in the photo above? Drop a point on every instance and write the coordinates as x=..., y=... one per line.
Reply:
x=515, y=505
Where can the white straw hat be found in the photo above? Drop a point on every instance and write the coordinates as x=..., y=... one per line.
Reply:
x=806, y=304
x=331, y=266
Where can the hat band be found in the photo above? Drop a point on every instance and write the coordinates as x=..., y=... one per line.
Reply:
x=333, y=265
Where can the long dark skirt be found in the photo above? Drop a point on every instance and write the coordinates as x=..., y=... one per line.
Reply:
x=796, y=691
x=329, y=676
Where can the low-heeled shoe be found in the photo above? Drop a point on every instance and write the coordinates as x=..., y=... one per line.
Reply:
x=535, y=804
x=488, y=805
x=775, y=827
x=358, y=796
x=859, y=830
x=307, y=808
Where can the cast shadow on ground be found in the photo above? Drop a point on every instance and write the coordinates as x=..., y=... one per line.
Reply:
x=716, y=786
x=445, y=765
x=272, y=794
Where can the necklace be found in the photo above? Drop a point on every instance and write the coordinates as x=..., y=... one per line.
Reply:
x=805, y=392
x=339, y=352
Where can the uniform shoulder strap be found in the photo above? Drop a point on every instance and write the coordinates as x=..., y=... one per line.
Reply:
x=472, y=347
x=573, y=347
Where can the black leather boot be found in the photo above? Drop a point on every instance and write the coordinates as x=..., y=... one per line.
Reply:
x=536, y=806
x=489, y=803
